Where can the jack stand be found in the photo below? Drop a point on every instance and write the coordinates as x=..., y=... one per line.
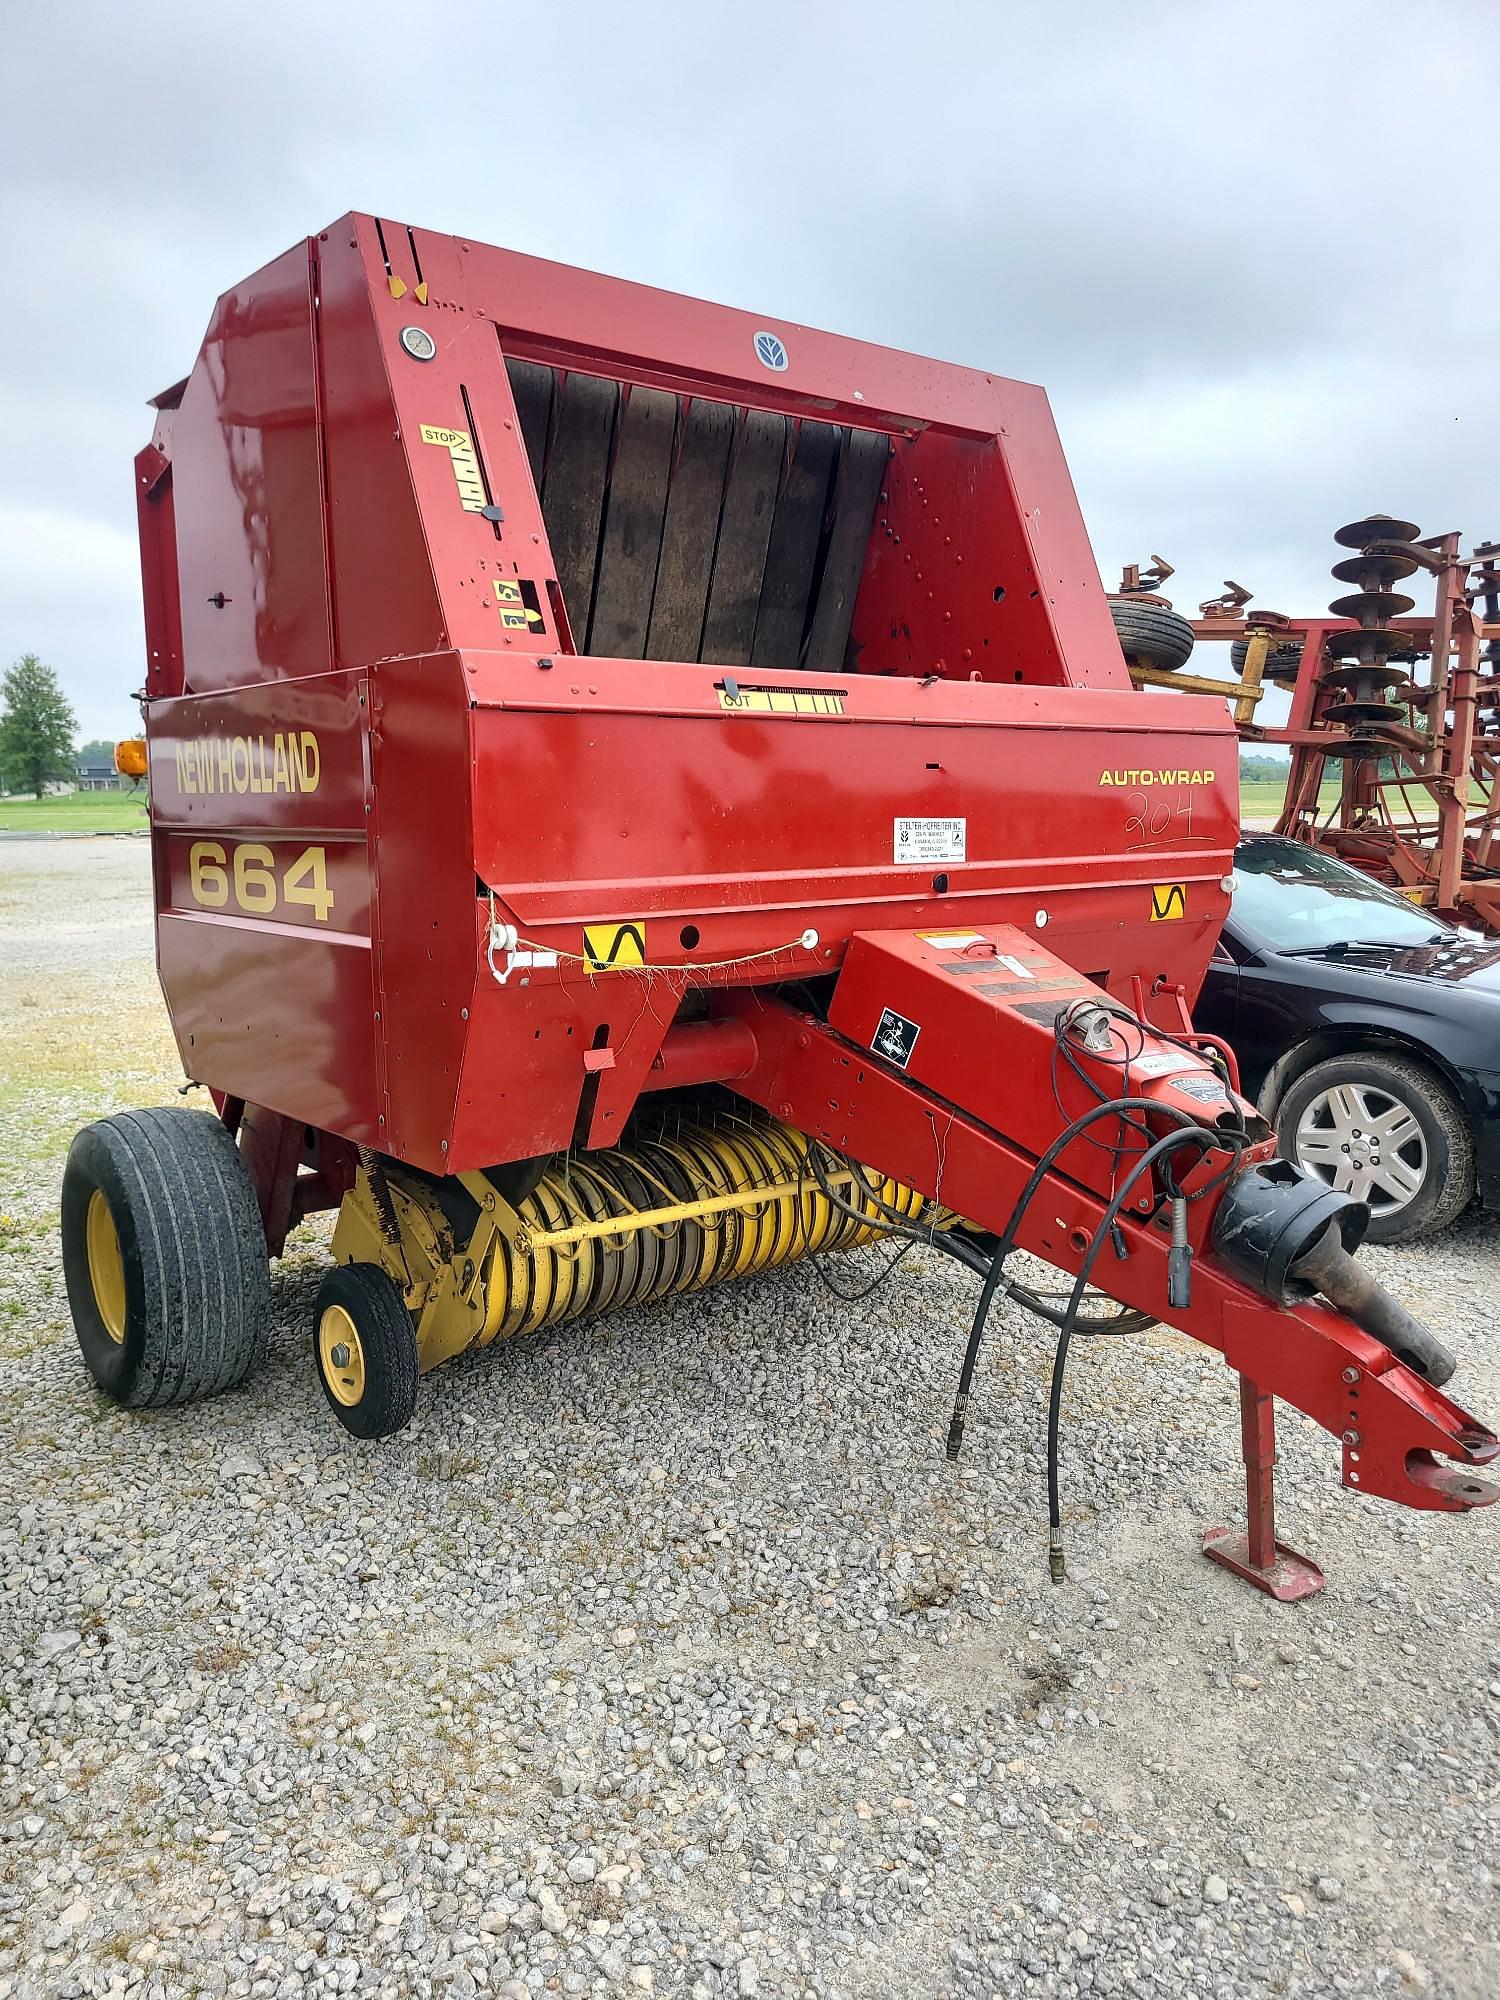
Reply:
x=1256, y=1555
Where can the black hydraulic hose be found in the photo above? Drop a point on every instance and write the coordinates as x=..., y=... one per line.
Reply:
x=1111, y=1108
x=1159, y=1149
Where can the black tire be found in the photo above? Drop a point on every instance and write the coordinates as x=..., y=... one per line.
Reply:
x=1446, y=1147
x=375, y=1393
x=1151, y=634
x=164, y=1257
x=1281, y=664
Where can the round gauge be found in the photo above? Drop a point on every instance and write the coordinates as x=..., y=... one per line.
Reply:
x=418, y=343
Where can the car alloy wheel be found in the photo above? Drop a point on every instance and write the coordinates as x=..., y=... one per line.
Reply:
x=1366, y=1142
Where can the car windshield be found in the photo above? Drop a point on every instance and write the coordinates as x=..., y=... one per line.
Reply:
x=1294, y=898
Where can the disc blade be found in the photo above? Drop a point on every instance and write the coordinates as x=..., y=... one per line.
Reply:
x=1374, y=572
x=1365, y=645
x=1375, y=528
x=1372, y=604
x=1362, y=675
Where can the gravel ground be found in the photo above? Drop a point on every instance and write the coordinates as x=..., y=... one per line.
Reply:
x=669, y=1655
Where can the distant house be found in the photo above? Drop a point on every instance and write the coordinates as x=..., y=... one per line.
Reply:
x=99, y=777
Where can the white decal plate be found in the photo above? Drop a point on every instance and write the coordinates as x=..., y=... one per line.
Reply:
x=925, y=841
x=1162, y=1063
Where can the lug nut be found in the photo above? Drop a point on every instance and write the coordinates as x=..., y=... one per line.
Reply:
x=340, y=1356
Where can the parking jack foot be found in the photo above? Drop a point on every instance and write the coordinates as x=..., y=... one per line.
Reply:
x=1256, y=1555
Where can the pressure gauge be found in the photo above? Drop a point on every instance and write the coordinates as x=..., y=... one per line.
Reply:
x=418, y=343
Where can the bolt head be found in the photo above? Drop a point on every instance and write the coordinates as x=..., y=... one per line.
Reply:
x=1351, y=1437
x=1351, y=1374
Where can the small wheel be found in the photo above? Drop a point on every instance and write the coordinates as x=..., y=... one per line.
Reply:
x=1151, y=634
x=365, y=1347
x=164, y=1257
x=1281, y=664
x=1383, y=1129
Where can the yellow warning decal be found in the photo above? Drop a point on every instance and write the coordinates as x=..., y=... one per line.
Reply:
x=605, y=945
x=515, y=613
x=460, y=448
x=782, y=701
x=1168, y=902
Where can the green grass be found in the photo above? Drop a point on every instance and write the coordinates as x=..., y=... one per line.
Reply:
x=1259, y=800
x=76, y=812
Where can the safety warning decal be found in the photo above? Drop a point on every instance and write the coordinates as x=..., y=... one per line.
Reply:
x=460, y=448
x=929, y=840
x=606, y=945
x=1168, y=902
x=516, y=615
x=952, y=940
x=895, y=1038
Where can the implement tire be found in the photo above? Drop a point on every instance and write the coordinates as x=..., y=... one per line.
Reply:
x=1282, y=662
x=1151, y=634
x=365, y=1350
x=164, y=1257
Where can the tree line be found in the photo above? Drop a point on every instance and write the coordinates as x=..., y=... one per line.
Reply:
x=37, y=727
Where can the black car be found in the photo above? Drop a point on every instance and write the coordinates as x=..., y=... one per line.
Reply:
x=1366, y=1030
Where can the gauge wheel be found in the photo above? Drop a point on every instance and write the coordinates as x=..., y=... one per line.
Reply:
x=1383, y=1129
x=365, y=1349
x=1151, y=634
x=164, y=1257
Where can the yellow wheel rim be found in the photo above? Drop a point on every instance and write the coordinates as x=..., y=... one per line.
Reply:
x=341, y=1356
x=106, y=1266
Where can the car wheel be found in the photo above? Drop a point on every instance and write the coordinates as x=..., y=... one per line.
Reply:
x=1386, y=1131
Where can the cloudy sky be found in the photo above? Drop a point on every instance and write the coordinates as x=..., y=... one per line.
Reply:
x=1247, y=249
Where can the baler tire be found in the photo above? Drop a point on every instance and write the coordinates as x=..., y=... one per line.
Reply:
x=164, y=1257
x=378, y=1396
x=1151, y=634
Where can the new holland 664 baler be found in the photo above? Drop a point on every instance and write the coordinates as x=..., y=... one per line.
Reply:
x=640, y=792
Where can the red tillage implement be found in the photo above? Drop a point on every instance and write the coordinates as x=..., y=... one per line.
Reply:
x=640, y=792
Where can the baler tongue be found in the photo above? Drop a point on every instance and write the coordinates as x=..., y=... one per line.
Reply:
x=1006, y=1086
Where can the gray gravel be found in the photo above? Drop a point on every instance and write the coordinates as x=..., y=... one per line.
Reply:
x=669, y=1655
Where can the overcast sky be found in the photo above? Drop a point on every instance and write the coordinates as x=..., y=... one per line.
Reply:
x=1248, y=249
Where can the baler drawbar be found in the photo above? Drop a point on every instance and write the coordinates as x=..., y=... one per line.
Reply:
x=641, y=793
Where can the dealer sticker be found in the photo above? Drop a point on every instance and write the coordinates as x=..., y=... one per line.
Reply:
x=924, y=841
